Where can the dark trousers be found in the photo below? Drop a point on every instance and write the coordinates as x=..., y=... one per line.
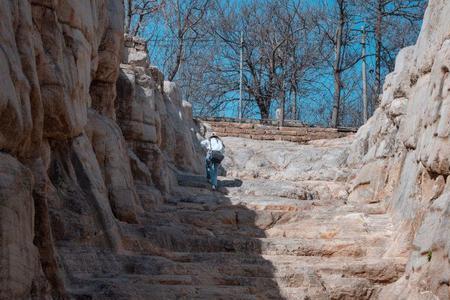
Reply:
x=211, y=171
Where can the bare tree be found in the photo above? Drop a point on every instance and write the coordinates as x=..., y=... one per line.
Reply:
x=338, y=61
x=177, y=28
x=274, y=63
x=337, y=22
x=386, y=17
x=137, y=13
x=299, y=56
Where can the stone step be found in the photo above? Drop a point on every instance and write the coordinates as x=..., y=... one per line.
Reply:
x=238, y=193
x=283, y=220
x=311, y=190
x=193, y=237
x=232, y=264
x=302, y=293
x=334, y=288
x=282, y=272
x=330, y=225
x=339, y=287
x=319, y=247
x=288, y=212
x=192, y=180
x=359, y=276
x=377, y=270
x=103, y=288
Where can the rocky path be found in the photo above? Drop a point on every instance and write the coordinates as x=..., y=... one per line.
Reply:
x=283, y=230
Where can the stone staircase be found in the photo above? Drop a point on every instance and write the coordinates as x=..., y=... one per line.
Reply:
x=241, y=244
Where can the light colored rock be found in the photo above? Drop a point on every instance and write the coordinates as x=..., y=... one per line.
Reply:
x=135, y=52
x=91, y=206
x=398, y=83
x=397, y=107
x=73, y=175
x=285, y=160
x=53, y=55
x=134, y=57
x=158, y=129
x=369, y=185
x=432, y=35
x=415, y=98
x=137, y=114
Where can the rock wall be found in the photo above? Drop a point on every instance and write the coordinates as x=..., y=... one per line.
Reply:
x=86, y=143
x=404, y=156
x=92, y=139
x=297, y=134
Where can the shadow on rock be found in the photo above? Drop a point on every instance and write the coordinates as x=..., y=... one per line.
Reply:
x=198, y=245
x=230, y=183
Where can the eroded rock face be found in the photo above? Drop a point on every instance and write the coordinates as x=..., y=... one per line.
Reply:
x=405, y=149
x=76, y=161
x=111, y=153
x=92, y=140
x=19, y=257
x=158, y=127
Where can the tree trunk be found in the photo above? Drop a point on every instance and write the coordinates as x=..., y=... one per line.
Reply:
x=337, y=74
x=282, y=104
x=378, y=45
x=337, y=99
x=128, y=16
x=263, y=108
x=178, y=60
x=364, y=75
x=138, y=25
x=294, y=103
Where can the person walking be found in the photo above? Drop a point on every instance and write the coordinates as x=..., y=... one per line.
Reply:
x=215, y=150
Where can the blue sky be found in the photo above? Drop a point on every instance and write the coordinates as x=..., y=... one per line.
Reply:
x=311, y=106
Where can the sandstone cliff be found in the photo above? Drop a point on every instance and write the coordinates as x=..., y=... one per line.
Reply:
x=404, y=156
x=87, y=143
x=93, y=143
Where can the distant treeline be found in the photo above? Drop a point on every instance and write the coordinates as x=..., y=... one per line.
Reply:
x=303, y=57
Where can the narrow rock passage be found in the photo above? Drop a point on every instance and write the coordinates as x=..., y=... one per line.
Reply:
x=281, y=228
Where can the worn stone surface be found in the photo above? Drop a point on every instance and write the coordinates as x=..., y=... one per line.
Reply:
x=53, y=55
x=275, y=236
x=409, y=138
x=111, y=153
x=102, y=194
x=21, y=274
x=158, y=129
x=287, y=161
x=83, y=147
